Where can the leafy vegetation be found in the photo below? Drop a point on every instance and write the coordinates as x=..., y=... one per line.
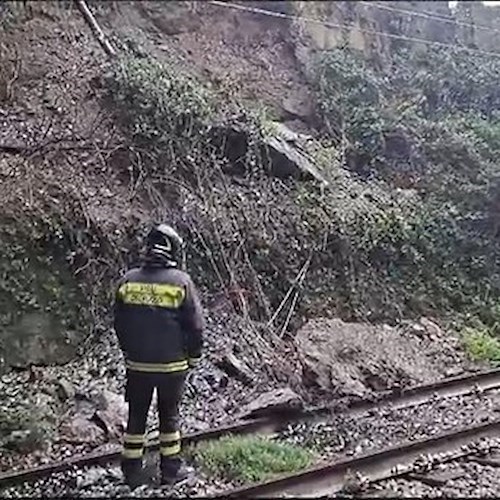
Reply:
x=419, y=237
x=171, y=105
x=38, y=293
x=481, y=345
x=250, y=458
x=426, y=123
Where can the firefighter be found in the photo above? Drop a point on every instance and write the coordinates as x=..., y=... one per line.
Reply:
x=158, y=321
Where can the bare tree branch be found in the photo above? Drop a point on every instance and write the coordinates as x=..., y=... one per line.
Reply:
x=96, y=29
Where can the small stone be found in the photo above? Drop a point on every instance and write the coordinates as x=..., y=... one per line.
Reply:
x=79, y=430
x=235, y=368
x=65, y=390
x=90, y=477
x=18, y=436
x=112, y=413
x=278, y=400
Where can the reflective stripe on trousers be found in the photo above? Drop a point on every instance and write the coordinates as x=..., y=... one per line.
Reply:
x=133, y=446
x=170, y=443
x=172, y=367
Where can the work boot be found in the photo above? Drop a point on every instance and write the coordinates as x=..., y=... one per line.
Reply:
x=173, y=470
x=133, y=473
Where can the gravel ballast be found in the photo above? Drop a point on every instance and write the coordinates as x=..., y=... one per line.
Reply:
x=349, y=435
x=466, y=479
x=339, y=435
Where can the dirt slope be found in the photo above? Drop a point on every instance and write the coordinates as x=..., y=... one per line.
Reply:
x=248, y=57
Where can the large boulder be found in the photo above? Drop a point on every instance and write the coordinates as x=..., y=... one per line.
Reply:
x=39, y=321
x=298, y=105
x=358, y=359
x=282, y=150
x=96, y=417
x=41, y=318
x=287, y=158
x=36, y=338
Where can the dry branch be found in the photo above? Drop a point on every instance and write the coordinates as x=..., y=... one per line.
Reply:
x=296, y=296
x=10, y=69
x=297, y=283
x=96, y=29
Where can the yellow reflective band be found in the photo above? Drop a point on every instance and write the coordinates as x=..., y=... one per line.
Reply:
x=168, y=451
x=170, y=436
x=175, y=366
x=132, y=453
x=133, y=438
x=152, y=294
x=194, y=362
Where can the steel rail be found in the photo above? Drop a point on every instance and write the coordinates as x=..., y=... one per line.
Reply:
x=330, y=479
x=418, y=394
x=261, y=425
x=482, y=381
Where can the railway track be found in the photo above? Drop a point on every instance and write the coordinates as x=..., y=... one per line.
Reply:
x=335, y=477
x=270, y=424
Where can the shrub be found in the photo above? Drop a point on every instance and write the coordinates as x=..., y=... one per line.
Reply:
x=481, y=345
x=165, y=112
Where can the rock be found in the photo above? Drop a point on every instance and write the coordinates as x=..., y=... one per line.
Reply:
x=235, y=368
x=112, y=411
x=232, y=139
x=297, y=126
x=426, y=328
x=177, y=19
x=195, y=424
x=298, y=106
x=80, y=430
x=275, y=401
x=453, y=371
x=356, y=359
x=418, y=330
x=433, y=330
x=98, y=416
x=84, y=406
x=281, y=150
x=286, y=158
x=37, y=339
x=216, y=379
x=15, y=438
x=90, y=477
x=65, y=390
x=286, y=133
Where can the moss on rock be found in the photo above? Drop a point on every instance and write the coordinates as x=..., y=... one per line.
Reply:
x=40, y=320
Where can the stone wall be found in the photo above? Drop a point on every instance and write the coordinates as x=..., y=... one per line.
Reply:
x=358, y=25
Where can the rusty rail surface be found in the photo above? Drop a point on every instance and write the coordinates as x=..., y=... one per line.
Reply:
x=391, y=462
x=272, y=423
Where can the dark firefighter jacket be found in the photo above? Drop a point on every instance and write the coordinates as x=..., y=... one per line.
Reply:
x=158, y=320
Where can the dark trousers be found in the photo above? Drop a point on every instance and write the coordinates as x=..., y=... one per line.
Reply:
x=139, y=393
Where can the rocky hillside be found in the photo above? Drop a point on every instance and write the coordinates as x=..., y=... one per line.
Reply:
x=310, y=183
